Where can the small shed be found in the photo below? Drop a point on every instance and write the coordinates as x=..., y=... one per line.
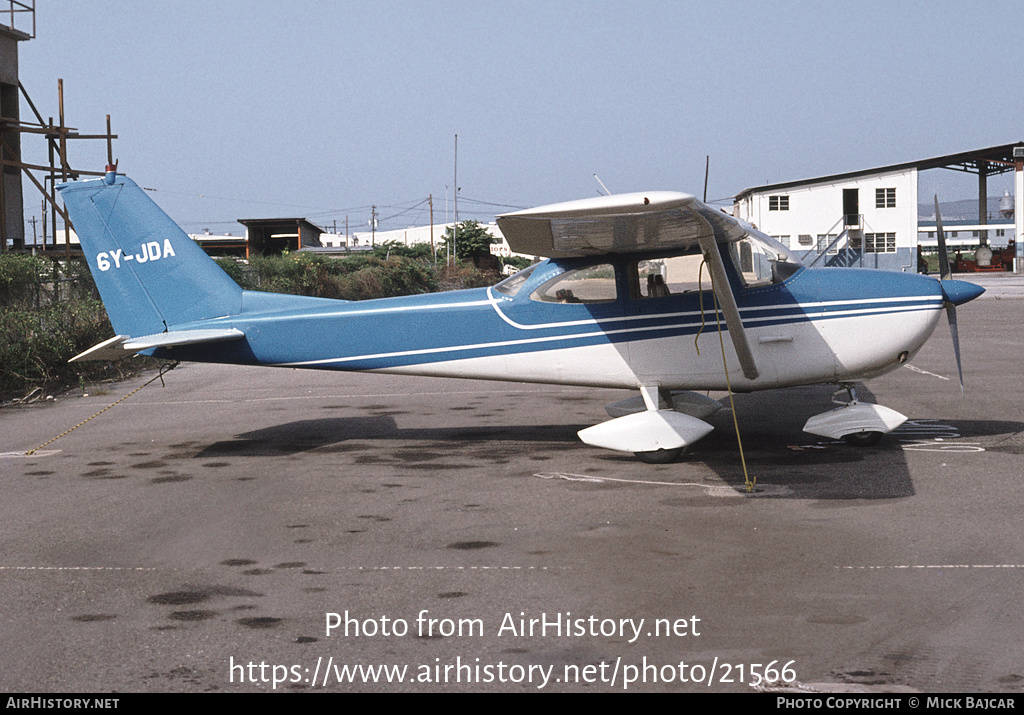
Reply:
x=272, y=236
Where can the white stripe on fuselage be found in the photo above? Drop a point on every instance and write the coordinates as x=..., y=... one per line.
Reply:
x=791, y=317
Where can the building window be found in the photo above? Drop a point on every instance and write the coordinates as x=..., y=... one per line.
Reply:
x=778, y=203
x=885, y=198
x=1000, y=232
x=879, y=243
x=784, y=240
x=825, y=241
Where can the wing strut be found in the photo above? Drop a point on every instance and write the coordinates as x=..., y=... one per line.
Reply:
x=728, y=301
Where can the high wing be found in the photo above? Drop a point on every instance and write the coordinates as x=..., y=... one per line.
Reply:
x=623, y=223
x=630, y=223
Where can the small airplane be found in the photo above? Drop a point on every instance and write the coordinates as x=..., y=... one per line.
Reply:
x=637, y=292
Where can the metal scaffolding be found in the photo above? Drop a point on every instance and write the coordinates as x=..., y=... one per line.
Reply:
x=57, y=135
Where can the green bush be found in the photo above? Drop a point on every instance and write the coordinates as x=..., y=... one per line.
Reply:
x=358, y=277
x=49, y=312
x=23, y=280
x=38, y=343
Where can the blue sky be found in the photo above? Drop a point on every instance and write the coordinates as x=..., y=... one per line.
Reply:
x=320, y=109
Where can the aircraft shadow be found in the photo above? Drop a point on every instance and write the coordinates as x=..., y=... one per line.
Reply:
x=353, y=434
x=778, y=452
x=785, y=461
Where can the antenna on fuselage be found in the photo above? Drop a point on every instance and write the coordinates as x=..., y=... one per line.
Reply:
x=707, y=166
x=606, y=191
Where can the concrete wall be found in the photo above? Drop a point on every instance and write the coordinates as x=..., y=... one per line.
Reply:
x=13, y=206
x=817, y=209
x=408, y=236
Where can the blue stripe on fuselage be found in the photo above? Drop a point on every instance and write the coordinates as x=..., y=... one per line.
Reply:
x=399, y=332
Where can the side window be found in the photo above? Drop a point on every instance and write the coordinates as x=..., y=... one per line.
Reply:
x=674, y=275
x=593, y=284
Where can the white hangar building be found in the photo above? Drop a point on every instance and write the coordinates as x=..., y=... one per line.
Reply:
x=870, y=218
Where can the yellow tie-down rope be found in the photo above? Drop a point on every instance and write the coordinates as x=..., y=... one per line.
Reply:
x=721, y=341
x=163, y=370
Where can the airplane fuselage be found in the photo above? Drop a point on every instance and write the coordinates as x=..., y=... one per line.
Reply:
x=826, y=325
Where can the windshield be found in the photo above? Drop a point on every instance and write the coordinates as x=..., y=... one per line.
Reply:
x=511, y=285
x=761, y=260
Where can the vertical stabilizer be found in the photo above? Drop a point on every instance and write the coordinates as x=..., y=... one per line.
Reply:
x=150, y=274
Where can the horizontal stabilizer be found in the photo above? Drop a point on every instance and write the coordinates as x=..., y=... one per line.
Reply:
x=112, y=349
x=121, y=346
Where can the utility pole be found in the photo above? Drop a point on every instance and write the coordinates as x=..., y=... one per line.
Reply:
x=110, y=146
x=455, y=187
x=53, y=189
x=373, y=225
x=347, y=246
x=63, y=159
x=430, y=198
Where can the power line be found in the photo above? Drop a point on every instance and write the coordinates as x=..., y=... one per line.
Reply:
x=490, y=203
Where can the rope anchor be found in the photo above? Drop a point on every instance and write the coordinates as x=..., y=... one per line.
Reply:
x=748, y=481
x=160, y=376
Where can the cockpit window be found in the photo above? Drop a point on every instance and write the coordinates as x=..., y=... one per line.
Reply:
x=760, y=260
x=593, y=284
x=511, y=285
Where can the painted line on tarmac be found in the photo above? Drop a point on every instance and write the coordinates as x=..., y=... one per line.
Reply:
x=40, y=453
x=906, y=567
x=714, y=490
x=456, y=568
x=337, y=396
x=77, y=568
x=925, y=372
x=344, y=568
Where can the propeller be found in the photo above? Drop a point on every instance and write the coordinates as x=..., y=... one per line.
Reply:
x=945, y=274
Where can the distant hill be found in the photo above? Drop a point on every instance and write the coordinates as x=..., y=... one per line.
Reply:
x=963, y=210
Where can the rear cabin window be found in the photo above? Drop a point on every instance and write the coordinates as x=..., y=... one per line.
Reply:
x=675, y=275
x=593, y=284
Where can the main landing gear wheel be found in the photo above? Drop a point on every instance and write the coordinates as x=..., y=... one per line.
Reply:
x=862, y=439
x=660, y=456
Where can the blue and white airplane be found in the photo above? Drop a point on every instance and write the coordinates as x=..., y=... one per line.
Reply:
x=636, y=293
